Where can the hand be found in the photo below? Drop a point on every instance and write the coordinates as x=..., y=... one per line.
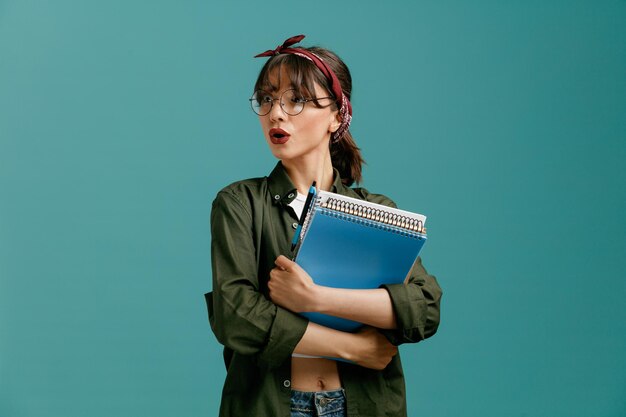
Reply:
x=291, y=287
x=372, y=349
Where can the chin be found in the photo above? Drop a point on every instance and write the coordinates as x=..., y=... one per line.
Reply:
x=280, y=153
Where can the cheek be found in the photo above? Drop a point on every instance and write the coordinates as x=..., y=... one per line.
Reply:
x=317, y=126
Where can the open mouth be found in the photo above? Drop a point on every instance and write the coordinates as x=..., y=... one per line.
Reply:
x=278, y=136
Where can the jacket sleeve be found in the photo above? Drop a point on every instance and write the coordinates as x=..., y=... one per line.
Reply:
x=241, y=317
x=416, y=303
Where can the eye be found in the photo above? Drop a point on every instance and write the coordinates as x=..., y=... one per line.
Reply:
x=261, y=102
x=296, y=98
x=262, y=98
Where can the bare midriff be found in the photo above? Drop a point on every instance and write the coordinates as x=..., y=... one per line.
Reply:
x=314, y=374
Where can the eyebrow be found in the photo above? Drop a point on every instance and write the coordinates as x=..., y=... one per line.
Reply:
x=274, y=88
x=268, y=86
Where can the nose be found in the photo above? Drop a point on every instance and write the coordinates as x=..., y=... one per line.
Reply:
x=276, y=112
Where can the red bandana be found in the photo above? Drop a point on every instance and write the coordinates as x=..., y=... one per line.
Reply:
x=345, y=108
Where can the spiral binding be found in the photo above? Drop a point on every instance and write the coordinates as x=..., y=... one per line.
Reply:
x=373, y=214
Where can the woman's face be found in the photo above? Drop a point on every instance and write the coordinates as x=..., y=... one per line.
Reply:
x=306, y=134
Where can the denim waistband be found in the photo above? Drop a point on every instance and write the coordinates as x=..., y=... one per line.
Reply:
x=324, y=402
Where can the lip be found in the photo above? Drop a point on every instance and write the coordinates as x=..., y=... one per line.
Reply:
x=278, y=136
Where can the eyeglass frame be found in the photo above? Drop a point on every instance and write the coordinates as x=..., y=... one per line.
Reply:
x=304, y=101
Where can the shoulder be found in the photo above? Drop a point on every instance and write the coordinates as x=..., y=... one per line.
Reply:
x=243, y=193
x=250, y=186
x=364, y=194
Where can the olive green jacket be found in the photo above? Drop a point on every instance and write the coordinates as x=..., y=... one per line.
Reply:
x=251, y=224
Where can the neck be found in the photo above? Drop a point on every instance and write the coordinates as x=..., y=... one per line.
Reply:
x=309, y=168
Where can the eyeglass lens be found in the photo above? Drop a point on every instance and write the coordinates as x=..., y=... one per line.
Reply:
x=290, y=101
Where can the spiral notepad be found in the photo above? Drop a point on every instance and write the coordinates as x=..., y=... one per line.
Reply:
x=351, y=243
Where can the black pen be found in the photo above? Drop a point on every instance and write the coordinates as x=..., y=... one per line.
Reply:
x=305, y=209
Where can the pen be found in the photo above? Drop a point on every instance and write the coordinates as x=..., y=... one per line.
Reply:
x=305, y=209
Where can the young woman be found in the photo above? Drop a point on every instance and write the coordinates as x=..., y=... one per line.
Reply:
x=274, y=356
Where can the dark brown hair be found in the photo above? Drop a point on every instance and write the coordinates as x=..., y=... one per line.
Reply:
x=303, y=74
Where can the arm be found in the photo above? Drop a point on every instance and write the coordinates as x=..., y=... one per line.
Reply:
x=409, y=312
x=241, y=317
x=368, y=348
x=292, y=288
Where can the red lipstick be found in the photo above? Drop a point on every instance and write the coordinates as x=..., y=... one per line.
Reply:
x=278, y=136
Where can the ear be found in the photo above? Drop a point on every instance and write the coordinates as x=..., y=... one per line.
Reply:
x=335, y=122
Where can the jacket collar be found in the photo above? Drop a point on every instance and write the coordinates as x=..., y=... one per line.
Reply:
x=283, y=191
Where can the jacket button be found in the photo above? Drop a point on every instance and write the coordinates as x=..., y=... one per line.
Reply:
x=290, y=195
x=294, y=225
x=276, y=197
x=286, y=383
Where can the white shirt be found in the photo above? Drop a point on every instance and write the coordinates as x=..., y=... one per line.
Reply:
x=298, y=204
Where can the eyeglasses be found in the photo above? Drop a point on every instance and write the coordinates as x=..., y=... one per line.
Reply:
x=290, y=101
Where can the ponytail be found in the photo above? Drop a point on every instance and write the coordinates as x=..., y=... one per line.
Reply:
x=346, y=157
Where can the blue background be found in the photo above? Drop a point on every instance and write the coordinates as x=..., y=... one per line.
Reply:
x=503, y=122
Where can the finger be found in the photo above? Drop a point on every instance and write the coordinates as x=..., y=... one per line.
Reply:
x=277, y=268
x=284, y=263
x=276, y=275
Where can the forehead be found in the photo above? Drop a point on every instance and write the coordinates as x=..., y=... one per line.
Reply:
x=283, y=77
x=279, y=78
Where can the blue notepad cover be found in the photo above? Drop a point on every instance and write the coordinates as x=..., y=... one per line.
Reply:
x=344, y=251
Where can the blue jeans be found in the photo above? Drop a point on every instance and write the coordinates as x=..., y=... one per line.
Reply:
x=322, y=404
